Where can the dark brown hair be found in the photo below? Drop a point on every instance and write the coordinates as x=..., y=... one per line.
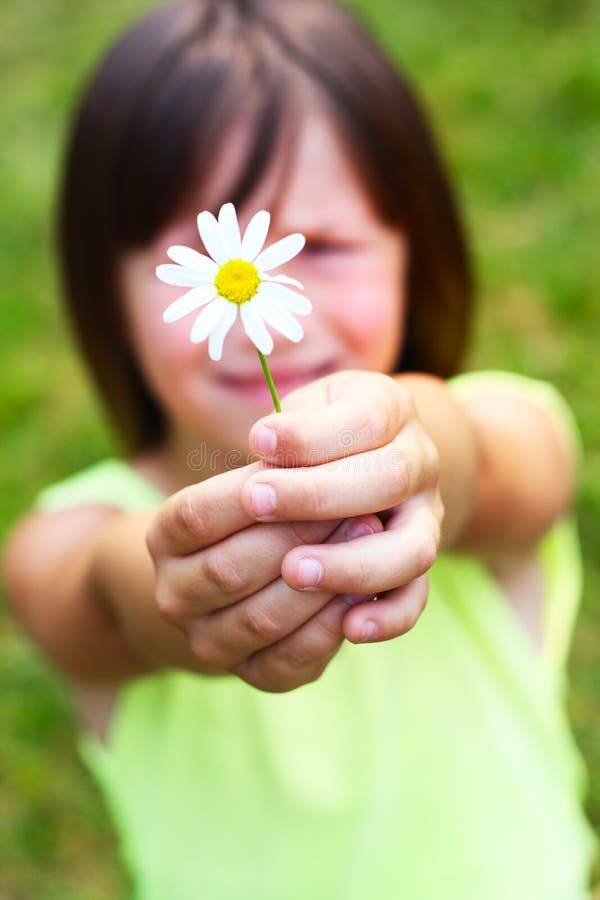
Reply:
x=156, y=113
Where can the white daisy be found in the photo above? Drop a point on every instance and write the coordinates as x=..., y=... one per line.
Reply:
x=236, y=277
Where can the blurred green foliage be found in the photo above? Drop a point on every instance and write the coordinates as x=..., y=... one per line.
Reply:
x=515, y=90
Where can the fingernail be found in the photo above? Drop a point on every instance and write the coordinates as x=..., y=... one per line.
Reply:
x=370, y=631
x=263, y=500
x=265, y=440
x=310, y=572
x=356, y=529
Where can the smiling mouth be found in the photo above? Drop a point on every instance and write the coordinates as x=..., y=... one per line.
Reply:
x=253, y=387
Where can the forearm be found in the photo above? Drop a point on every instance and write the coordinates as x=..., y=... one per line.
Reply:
x=506, y=475
x=122, y=578
x=452, y=431
x=81, y=582
x=526, y=473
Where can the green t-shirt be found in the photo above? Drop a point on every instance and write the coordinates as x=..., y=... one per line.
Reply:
x=438, y=766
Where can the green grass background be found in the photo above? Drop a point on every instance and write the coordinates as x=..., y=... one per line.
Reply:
x=514, y=88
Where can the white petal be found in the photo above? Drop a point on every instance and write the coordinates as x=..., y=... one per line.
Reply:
x=255, y=328
x=290, y=300
x=185, y=256
x=275, y=315
x=280, y=252
x=255, y=235
x=194, y=299
x=180, y=276
x=219, y=333
x=230, y=231
x=207, y=320
x=211, y=237
x=281, y=279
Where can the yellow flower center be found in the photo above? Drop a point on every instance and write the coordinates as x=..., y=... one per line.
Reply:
x=237, y=280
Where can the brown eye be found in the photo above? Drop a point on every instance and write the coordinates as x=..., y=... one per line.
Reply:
x=321, y=248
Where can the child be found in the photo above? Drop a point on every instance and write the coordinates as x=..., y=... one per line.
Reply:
x=207, y=606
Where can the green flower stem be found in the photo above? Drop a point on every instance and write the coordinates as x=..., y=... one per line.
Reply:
x=265, y=368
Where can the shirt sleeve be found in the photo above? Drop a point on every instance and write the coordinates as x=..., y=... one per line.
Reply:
x=110, y=482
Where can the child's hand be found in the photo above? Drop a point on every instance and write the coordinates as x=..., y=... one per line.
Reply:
x=218, y=578
x=349, y=445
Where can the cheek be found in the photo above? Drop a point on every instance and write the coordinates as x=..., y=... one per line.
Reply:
x=371, y=320
x=164, y=351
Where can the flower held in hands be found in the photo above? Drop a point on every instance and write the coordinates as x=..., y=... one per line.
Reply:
x=236, y=277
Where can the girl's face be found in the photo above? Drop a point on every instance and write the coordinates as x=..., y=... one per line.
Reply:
x=353, y=269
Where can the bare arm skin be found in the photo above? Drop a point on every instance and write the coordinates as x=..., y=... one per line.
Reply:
x=506, y=472
x=526, y=475
x=46, y=566
x=101, y=591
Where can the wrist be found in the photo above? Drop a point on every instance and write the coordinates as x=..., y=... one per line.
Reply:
x=122, y=579
x=449, y=426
